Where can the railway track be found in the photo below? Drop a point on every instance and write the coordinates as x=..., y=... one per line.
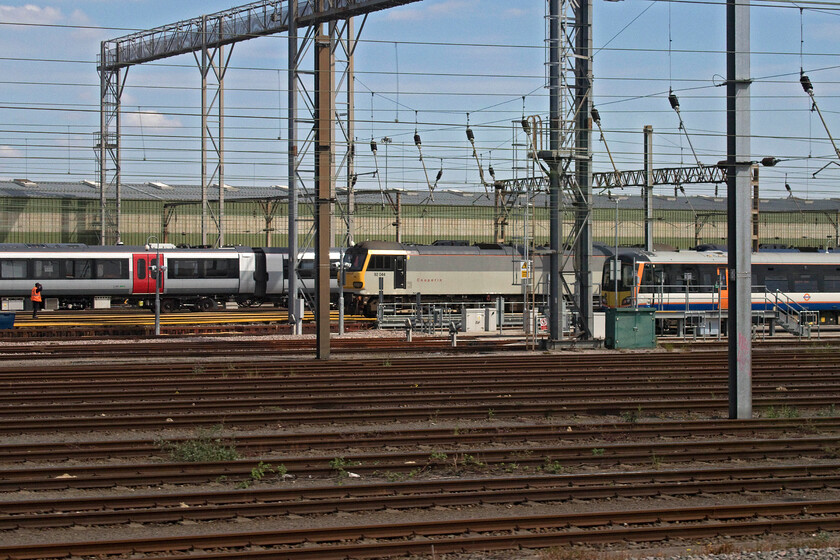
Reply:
x=377, y=496
x=484, y=458
x=264, y=393
x=62, y=452
x=268, y=348
x=459, y=535
x=547, y=460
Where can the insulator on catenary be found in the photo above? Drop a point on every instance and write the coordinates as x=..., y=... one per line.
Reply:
x=492, y=172
x=416, y=139
x=439, y=175
x=672, y=99
x=806, y=84
x=526, y=126
x=596, y=116
x=470, y=135
x=373, y=146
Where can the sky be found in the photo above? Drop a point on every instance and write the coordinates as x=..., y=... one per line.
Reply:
x=429, y=67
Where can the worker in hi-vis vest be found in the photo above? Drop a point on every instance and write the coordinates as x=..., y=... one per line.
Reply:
x=37, y=301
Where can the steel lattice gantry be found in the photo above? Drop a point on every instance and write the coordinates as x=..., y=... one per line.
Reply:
x=207, y=35
x=510, y=191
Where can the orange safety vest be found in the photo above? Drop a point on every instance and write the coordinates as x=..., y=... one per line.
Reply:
x=36, y=295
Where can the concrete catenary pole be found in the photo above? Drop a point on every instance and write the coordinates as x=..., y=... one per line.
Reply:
x=739, y=207
x=295, y=310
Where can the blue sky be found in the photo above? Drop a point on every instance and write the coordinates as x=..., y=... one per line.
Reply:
x=423, y=66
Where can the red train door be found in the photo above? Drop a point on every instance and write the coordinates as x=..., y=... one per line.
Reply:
x=144, y=282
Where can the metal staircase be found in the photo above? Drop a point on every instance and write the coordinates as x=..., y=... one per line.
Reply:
x=791, y=315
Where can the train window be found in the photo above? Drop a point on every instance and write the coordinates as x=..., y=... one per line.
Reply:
x=804, y=283
x=690, y=276
x=647, y=285
x=221, y=268
x=355, y=262
x=382, y=263
x=627, y=276
x=78, y=269
x=43, y=268
x=708, y=277
x=183, y=268
x=831, y=283
x=776, y=281
x=141, y=269
x=111, y=268
x=12, y=268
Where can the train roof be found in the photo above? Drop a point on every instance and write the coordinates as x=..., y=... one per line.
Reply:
x=441, y=249
x=83, y=248
x=721, y=257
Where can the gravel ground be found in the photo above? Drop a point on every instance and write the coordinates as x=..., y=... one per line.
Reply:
x=787, y=554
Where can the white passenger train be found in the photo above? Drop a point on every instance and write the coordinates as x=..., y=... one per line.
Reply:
x=200, y=279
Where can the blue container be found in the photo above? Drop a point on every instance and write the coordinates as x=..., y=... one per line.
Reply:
x=7, y=320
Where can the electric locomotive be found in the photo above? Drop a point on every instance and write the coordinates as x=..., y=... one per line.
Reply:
x=448, y=272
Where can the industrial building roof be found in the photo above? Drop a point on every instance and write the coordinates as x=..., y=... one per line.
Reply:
x=630, y=198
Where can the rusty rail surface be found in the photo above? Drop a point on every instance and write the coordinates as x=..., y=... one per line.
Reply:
x=477, y=534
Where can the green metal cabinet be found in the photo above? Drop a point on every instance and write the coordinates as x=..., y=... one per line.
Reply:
x=630, y=328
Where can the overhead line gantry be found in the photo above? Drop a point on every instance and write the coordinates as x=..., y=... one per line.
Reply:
x=206, y=37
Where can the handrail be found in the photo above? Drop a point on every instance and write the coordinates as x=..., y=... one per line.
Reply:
x=794, y=312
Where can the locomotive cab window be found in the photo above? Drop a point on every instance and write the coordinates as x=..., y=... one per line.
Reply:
x=354, y=262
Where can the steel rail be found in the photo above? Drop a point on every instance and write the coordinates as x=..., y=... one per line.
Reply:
x=504, y=400
x=381, y=368
x=215, y=506
x=469, y=534
x=335, y=413
x=143, y=474
x=63, y=451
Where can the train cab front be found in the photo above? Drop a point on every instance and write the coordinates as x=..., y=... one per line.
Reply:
x=355, y=262
x=617, y=286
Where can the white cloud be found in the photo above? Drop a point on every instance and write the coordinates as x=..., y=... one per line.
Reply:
x=9, y=152
x=515, y=12
x=430, y=11
x=30, y=13
x=150, y=120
